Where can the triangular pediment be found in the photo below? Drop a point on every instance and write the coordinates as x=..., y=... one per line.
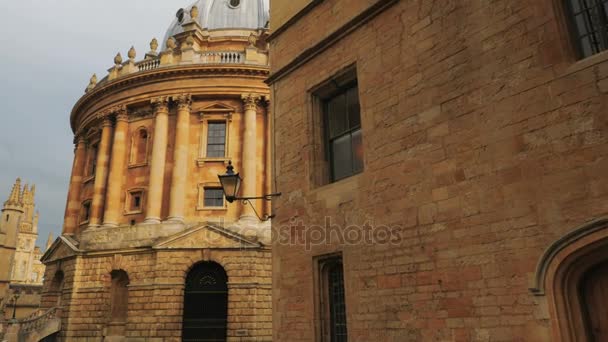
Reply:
x=217, y=107
x=207, y=236
x=60, y=249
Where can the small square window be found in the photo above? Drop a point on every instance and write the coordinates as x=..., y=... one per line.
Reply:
x=136, y=199
x=214, y=198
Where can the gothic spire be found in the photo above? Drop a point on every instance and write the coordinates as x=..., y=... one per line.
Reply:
x=14, y=198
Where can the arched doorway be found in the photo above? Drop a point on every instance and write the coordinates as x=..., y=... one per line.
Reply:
x=205, y=303
x=594, y=293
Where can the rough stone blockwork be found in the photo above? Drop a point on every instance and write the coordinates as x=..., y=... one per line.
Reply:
x=484, y=142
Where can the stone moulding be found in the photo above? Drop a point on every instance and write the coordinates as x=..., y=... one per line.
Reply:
x=153, y=76
x=540, y=275
x=331, y=39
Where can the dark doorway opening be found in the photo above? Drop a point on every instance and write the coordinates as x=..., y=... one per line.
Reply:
x=205, y=303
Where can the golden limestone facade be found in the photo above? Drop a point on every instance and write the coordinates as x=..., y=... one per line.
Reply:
x=151, y=250
x=21, y=271
x=444, y=170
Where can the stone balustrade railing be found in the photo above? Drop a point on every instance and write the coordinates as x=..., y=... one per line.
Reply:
x=220, y=57
x=148, y=64
x=38, y=320
x=152, y=62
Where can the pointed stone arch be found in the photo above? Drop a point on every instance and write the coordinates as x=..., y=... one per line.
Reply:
x=562, y=271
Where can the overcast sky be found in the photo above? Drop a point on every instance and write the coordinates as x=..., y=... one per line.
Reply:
x=48, y=51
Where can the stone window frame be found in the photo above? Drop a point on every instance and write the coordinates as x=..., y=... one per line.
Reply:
x=559, y=272
x=200, y=205
x=214, y=113
x=85, y=207
x=133, y=150
x=321, y=265
x=321, y=174
x=129, y=197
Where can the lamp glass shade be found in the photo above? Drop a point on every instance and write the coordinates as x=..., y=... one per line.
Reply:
x=230, y=185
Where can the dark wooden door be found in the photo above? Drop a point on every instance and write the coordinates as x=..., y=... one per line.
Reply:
x=594, y=293
x=206, y=304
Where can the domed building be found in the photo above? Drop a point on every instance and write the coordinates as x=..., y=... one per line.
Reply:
x=151, y=250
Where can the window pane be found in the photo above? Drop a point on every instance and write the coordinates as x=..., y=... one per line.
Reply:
x=342, y=157
x=216, y=139
x=336, y=112
x=214, y=197
x=354, y=116
x=357, y=142
x=337, y=303
x=575, y=5
x=586, y=47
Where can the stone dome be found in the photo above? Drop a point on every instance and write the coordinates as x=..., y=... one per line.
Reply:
x=224, y=14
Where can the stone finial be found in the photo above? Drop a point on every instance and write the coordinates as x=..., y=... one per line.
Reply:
x=153, y=45
x=132, y=54
x=118, y=59
x=171, y=44
x=92, y=83
x=194, y=13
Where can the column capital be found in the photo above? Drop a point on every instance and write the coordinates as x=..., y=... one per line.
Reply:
x=184, y=101
x=79, y=138
x=105, y=118
x=160, y=104
x=120, y=112
x=250, y=101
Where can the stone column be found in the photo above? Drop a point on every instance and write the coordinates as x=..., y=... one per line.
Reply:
x=157, y=167
x=249, y=154
x=101, y=173
x=180, y=159
x=117, y=167
x=72, y=208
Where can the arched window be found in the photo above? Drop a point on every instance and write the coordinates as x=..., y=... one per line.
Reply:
x=56, y=289
x=139, y=147
x=119, y=296
x=587, y=21
x=573, y=275
x=205, y=315
x=92, y=160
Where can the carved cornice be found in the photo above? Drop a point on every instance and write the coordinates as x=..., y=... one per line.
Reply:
x=175, y=72
x=250, y=101
x=329, y=41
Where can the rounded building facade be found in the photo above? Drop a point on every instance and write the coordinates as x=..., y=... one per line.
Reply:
x=151, y=250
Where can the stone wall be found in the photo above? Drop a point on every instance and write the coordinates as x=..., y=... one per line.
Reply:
x=484, y=142
x=156, y=288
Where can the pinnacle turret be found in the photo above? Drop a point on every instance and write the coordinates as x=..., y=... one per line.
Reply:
x=15, y=197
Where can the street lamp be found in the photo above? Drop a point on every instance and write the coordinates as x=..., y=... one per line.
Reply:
x=15, y=298
x=231, y=183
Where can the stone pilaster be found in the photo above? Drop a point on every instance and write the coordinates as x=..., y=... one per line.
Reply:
x=117, y=167
x=249, y=172
x=159, y=153
x=101, y=173
x=72, y=208
x=180, y=159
